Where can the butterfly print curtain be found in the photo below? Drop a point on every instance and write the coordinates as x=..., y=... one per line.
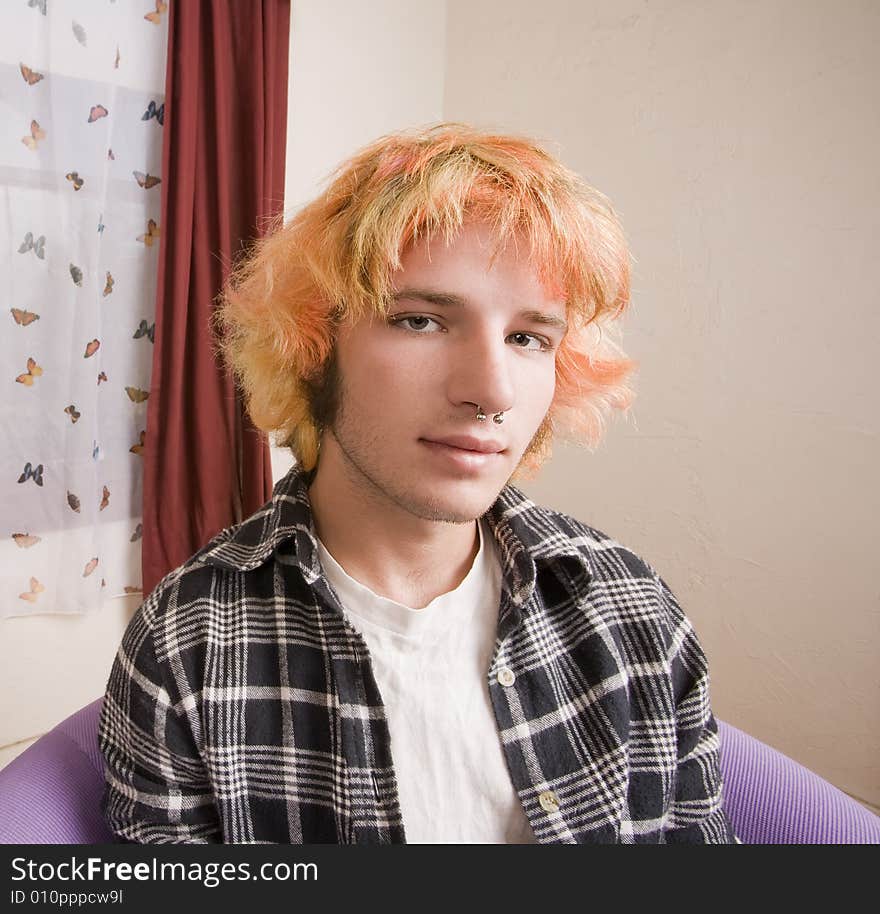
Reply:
x=83, y=110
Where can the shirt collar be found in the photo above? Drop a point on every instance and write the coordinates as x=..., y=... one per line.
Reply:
x=527, y=535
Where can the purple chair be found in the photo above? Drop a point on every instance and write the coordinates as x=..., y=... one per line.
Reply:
x=51, y=793
x=771, y=799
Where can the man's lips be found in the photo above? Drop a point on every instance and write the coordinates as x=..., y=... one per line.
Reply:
x=465, y=453
x=468, y=443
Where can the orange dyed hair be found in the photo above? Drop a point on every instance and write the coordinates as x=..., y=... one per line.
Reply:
x=335, y=261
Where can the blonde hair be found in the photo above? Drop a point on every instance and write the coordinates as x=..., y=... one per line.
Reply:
x=335, y=261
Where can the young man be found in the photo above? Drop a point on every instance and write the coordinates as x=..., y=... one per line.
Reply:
x=400, y=645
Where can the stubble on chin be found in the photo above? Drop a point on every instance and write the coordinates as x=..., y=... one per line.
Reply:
x=382, y=493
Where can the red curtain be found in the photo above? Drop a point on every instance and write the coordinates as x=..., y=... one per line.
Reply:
x=205, y=465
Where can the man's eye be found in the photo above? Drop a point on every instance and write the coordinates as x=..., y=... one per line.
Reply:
x=528, y=341
x=417, y=322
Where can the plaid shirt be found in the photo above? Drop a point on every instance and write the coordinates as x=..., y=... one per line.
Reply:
x=242, y=706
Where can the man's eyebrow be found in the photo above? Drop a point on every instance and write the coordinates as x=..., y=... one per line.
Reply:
x=548, y=320
x=448, y=299
x=433, y=298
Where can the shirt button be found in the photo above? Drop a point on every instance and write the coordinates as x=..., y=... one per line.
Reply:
x=506, y=677
x=549, y=801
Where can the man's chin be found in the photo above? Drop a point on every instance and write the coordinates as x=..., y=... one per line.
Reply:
x=455, y=508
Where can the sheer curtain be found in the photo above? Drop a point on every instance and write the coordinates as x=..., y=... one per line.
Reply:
x=80, y=181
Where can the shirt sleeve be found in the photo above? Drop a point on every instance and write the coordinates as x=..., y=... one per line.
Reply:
x=696, y=814
x=157, y=790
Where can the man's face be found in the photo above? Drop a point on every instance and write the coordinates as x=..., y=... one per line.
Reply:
x=461, y=335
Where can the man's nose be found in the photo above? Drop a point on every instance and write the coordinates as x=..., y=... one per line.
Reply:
x=482, y=375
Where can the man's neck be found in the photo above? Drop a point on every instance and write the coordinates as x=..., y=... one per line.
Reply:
x=393, y=552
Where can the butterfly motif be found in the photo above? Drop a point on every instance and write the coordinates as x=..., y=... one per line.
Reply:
x=139, y=447
x=92, y=348
x=105, y=498
x=118, y=58
x=33, y=371
x=79, y=33
x=37, y=134
x=103, y=583
x=156, y=112
x=155, y=18
x=90, y=567
x=110, y=155
x=138, y=533
x=144, y=329
x=38, y=246
x=32, y=473
x=136, y=395
x=31, y=77
x=96, y=112
x=36, y=589
x=102, y=376
x=101, y=225
x=75, y=179
x=73, y=412
x=23, y=317
x=73, y=501
x=25, y=540
x=76, y=274
x=146, y=181
x=96, y=451
x=151, y=234
x=108, y=285
x=39, y=5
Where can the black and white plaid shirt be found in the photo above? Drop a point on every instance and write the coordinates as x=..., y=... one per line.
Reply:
x=242, y=706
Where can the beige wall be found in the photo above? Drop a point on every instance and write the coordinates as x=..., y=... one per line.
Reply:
x=739, y=142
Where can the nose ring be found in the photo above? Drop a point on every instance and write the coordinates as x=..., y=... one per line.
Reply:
x=498, y=418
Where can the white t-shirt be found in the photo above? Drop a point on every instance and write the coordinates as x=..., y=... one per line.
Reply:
x=431, y=667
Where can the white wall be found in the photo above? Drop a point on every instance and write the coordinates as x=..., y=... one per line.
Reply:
x=357, y=70
x=739, y=142
x=52, y=666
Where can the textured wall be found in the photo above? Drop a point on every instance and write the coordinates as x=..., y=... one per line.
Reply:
x=739, y=141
